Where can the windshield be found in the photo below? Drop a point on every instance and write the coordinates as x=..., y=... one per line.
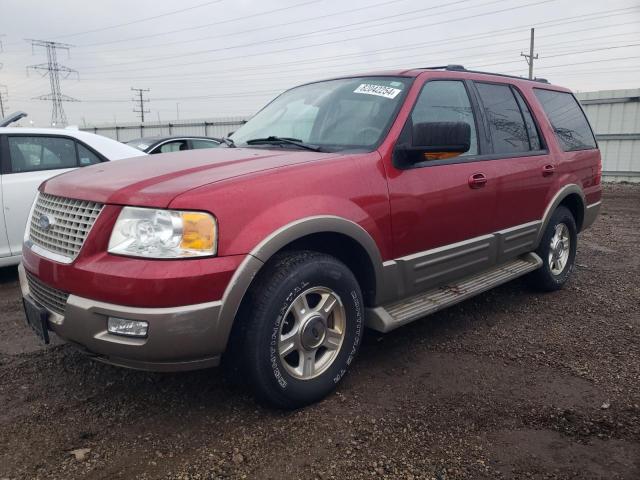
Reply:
x=139, y=143
x=349, y=113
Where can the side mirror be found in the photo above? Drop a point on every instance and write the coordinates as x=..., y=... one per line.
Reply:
x=437, y=141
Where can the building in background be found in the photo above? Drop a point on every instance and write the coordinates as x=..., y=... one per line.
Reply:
x=615, y=117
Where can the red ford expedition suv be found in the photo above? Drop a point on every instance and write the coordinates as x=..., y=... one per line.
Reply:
x=369, y=200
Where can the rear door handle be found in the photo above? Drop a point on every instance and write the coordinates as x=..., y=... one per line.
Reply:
x=548, y=170
x=477, y=180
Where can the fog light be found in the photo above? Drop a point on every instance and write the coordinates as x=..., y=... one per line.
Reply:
x=129, y=328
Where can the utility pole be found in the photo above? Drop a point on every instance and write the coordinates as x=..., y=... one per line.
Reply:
x=53, y=70
x=3, y=89
x=530, y=57
x=3, y=100
x=140, y=100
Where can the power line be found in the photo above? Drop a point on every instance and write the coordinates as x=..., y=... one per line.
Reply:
x=132, y=22
x=233, y=47
x=53, y=69
x=352, y=59
x=140, y=100
x=140, y=20
x=564, y=54
x=197, y=27
x=490, y=34
x=297, y=22
x=262, y=93
x=572, y=64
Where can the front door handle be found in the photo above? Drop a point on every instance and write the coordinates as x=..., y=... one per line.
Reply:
x=548, y=170
x=477, y=180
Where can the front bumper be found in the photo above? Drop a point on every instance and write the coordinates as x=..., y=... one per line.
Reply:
x=179, y=338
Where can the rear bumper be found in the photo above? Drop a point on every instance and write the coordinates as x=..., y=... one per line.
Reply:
x=591, y=213
x=179, y=338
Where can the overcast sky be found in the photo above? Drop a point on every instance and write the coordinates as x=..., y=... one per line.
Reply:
x=210, y=59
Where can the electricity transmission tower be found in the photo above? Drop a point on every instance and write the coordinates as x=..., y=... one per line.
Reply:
x=140, y=100
x=54, y=70
x=530, y=57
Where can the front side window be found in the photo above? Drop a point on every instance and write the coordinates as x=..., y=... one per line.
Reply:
x=31, y=154
x=175, y=146
x=506, y=124
x=569, y=123
x=198, y=144
x=334, y=115
x=445, y=101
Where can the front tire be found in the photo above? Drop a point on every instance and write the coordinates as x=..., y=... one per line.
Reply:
x=557, y=250
x=302, y=324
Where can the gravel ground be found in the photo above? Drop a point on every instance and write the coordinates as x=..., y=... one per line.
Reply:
x=511, y=384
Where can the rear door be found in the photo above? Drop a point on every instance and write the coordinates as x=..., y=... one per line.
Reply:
x=442, y=219
x=32, y=160
x=525, y=176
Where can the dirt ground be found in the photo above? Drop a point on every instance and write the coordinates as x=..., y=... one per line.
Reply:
x=511, y=384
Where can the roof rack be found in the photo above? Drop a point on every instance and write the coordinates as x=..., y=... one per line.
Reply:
x=460, y=68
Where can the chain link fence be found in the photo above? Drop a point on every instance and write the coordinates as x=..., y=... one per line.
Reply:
x=216, y=127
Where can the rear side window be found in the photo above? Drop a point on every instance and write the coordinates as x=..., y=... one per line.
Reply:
x=31, y=154
x=532, y=130
x=198, y=144
x=506, y=124
x=86, y=156
x=569, y=123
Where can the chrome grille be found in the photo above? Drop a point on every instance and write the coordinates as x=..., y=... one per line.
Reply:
x=70, y=221
x=50, y=298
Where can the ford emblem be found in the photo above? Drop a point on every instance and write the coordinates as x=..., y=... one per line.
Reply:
x=45, y=222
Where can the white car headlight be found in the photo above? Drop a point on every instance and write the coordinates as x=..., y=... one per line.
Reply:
x=152, y=233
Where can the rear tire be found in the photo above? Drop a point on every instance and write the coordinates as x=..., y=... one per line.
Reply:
x=300, y=328
x=557, y=250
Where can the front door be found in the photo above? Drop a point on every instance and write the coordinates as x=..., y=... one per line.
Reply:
x=443, y=211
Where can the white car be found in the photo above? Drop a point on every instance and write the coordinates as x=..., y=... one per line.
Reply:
x=28, y=157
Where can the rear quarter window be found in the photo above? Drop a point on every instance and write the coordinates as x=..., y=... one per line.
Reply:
x=567, y=119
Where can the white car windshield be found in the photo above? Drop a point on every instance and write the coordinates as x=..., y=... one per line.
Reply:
x=348, y=113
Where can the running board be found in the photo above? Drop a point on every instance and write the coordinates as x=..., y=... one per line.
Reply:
x=394, y=315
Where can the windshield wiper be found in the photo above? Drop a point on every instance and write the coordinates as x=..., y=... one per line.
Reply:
x=228, y=142
x=289, y=141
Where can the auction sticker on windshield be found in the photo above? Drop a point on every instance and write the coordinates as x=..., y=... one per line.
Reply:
x=379, y=90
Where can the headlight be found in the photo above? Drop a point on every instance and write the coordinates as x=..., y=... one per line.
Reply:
x=151, y=233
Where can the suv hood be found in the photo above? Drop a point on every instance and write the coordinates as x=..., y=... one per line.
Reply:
x=155, y=180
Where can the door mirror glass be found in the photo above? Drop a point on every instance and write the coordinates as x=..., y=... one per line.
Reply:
x=446, y=137
x=441, y=126
x=438, y=141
